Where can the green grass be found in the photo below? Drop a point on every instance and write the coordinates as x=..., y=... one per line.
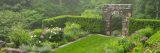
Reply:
x=90, y=44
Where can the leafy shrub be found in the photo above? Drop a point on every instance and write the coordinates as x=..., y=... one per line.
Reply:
x=45, y=48
x=137, y=36
x=7, y=20
x=72, y=31
x=19, y=36
x=115, y=47
x=136, y=24
x=139, y=48
x=125, y=44
x=154, y=39
x=37, y=31
x=36, y=34
x=94, y=25
x=133, y=43
x=148, y=51
x=53, y=34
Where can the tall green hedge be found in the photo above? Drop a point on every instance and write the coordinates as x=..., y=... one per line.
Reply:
x=136, y=24
x=94, y=25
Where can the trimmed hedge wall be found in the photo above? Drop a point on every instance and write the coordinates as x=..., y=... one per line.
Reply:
x=136, y=24
x=94, y=25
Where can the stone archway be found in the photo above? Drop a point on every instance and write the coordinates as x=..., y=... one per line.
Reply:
x=124, y=9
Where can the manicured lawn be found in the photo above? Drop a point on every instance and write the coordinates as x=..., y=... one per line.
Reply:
x=90, y=44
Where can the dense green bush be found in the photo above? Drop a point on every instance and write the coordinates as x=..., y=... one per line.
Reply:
x=133, y=43
x=138, y=49
x=88, y=24
x=136, y=24
x=36, y=36
x=73, y=31
x=37, y=31
x=19, y=36
x=11, y=18
x=7, y=20
x=125, y=44
x=138, y=35
x=154, y=39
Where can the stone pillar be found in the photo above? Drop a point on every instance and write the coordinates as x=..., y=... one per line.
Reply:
x=125, y=22
x=107, y=24
x=106, y=20
x=125, y=26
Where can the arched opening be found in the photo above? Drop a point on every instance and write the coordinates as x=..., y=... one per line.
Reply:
x=116, y=23
x=121, y=9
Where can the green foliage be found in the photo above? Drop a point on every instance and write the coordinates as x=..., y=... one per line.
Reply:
x=115, y=47
x=19, y=36
x=72, y=31
x=11, y=18
x=15, y=5
x=7, y=20
x=125, y=44
x=147, y=9
x=36, y=35
x=148, y=51
x=33, y=18
x=137, y=36
x=87, y=24
x=37, y=31
x=133, y=44
x=45, y=48
x=138, y=48
x=53, y=34
x=136, y=24
x=90, y=14
x=154, y=39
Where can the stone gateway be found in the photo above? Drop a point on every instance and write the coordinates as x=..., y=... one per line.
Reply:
x=124, y=9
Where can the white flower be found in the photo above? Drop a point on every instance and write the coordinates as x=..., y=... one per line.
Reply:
x=31, y=36
x=50, y=37
x=39, y=41
x=54, y=32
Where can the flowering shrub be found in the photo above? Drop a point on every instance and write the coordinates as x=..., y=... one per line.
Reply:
x=36, y=35
x=54, y=34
